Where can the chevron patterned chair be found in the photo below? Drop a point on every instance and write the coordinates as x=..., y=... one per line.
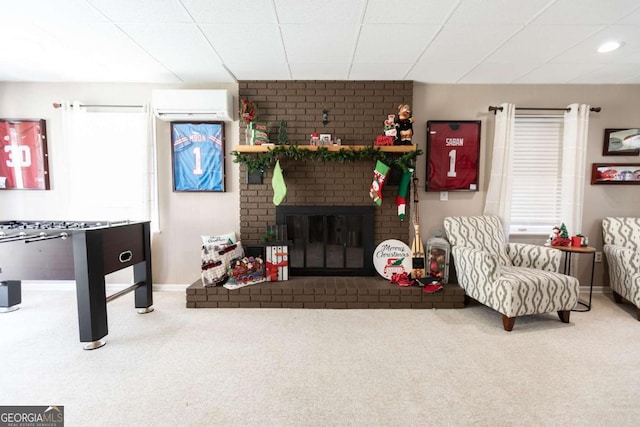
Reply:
x=621, y=246
x=515, y=279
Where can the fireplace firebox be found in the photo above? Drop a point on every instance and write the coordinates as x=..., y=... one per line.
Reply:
x=329, y=240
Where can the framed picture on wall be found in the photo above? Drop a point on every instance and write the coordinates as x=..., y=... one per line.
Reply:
x=24, y=162
x=615, y=173
x=197, y=156
x=453, y=152
x=621, y=142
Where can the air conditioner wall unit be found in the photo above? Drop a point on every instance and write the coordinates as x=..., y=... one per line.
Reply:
x=192, y=105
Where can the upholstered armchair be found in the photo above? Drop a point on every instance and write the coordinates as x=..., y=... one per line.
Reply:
x=621, y=246
x=515, y=279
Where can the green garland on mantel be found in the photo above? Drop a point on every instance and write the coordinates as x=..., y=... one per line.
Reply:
x=264, y=160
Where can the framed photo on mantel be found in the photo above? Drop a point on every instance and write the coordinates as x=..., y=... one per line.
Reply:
x=453, y=152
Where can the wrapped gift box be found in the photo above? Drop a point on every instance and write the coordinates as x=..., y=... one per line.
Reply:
x=277, y=263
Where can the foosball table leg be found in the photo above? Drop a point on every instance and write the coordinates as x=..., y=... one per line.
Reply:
x=10, y=295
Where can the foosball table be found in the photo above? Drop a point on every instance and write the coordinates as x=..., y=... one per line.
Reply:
x=82, y=251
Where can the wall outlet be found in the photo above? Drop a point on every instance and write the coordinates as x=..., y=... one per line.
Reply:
x=598, y=256
x=444, y=196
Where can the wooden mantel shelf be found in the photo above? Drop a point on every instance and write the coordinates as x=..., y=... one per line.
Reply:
x=384, y=148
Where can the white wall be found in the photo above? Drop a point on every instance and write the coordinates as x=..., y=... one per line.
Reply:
x=620, y=109
x=184, y=217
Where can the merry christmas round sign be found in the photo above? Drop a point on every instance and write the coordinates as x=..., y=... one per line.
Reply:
x=391, y=257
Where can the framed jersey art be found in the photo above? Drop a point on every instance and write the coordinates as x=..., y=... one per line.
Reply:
x=198, y=156
x=453, y=152
x=24, y=163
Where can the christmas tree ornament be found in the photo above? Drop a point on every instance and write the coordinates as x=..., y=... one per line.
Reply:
x=379, y=177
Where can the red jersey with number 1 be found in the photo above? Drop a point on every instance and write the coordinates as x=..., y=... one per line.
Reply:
x=22, y=159
x=453, y=156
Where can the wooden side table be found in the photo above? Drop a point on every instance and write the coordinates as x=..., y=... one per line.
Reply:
x=569, y=251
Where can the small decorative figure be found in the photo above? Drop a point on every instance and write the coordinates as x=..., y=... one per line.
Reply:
x=559, y=237
x=404, y=125
x=282, y=133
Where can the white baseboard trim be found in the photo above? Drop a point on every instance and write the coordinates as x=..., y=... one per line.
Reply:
x=70, y=285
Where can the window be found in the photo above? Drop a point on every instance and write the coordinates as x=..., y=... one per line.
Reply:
x=537, y=180
x=110, y=169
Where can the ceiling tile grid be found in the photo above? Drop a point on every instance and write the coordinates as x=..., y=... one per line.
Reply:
x=429, y=41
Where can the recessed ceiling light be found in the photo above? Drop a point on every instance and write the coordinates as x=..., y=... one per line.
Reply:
x=608, y=47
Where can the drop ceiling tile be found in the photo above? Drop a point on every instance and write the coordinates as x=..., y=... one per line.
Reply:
x=631, y=19
x=611, y=74
x=232, y=12
x=319, y=71
x=319, y=13
x=378, y=42
x=305, y=43
x=495, y=73
x=147, y=11
x=235, y=45
x=181, y=48
x=556, y=73
x=541, y=43
x=379, y=71
x=106, y=44
x=440, y=72
x=56, y=11
x=586, y=51
x=467, y=42
x=260, y=70
x=172, y=42
x=403, y=12
x=497, y=11
x=579, y=12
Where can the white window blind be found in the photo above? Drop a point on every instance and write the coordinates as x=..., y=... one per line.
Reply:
x=537, y=167
x=109, y=169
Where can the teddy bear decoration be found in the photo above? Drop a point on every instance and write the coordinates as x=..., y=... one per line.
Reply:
x=404, y=125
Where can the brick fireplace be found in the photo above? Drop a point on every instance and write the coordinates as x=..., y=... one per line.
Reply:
x=328, y=240
x=356, y=114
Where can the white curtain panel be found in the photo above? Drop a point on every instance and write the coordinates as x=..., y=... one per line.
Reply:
x=574, y=158
x=498, y=201
x=110, y=164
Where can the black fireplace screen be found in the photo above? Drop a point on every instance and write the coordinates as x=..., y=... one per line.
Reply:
x=329, y=240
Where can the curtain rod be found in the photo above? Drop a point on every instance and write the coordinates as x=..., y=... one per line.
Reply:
x=494, y=109
x=58, y=105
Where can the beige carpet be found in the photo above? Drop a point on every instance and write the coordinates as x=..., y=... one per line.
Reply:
x=298, y=367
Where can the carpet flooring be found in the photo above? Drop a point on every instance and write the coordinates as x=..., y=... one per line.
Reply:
x=302, y=367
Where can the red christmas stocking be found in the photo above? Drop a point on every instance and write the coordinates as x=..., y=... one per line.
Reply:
x=379, y=176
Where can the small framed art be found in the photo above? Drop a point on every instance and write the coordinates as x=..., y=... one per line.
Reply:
x=615, y=173
x=453, y=152
x=24, y=161
x=621, y=142
x=198, y=156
